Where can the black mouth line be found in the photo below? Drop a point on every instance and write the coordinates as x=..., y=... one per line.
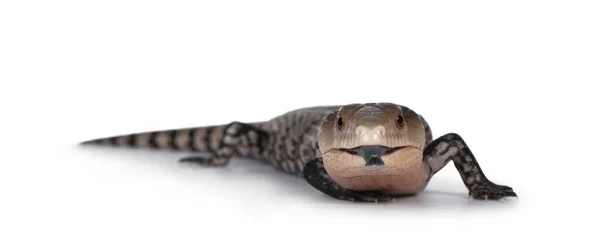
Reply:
x=384, y=150
x=372, y=153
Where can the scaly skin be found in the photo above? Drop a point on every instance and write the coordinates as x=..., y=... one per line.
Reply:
x=359, y=152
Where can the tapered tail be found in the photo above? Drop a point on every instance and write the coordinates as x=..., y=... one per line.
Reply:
x=199, y=139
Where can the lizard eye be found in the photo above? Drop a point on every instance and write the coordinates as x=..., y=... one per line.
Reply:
x=340, y=122
x=399, y=121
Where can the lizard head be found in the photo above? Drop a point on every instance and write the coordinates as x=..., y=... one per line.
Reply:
x=360, y=140
x=382, y=128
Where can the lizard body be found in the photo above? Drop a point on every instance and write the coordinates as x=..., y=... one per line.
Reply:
x=357, y=152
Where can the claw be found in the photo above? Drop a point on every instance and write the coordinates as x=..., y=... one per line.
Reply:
x=511, y=194
x=489, y=190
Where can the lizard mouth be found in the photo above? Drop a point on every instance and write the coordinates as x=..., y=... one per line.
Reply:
x=372, y=153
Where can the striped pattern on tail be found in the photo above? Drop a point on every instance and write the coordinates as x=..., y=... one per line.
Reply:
x=199, y=139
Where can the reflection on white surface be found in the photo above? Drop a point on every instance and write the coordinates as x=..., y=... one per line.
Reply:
x=254, y=182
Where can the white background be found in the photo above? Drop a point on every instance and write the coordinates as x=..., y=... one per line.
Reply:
x=514, y=78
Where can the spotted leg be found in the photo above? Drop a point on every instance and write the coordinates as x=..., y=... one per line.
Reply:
x=316, y=175
x=452, y=147
x=238, y=139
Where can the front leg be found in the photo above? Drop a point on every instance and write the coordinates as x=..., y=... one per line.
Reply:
x=452, y=147
x=316, y=175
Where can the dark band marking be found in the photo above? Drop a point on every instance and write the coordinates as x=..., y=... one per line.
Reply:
x=192, y=138
x=206, y=139
x=152, y=140
x=172, y=137
x=130, y=140
x=113, y=140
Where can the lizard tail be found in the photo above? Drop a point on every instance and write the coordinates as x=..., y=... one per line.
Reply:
x=198, y=139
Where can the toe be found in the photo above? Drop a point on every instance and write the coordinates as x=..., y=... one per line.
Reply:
x=492, y=191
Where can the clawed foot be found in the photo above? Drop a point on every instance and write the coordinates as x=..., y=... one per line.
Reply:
x=365, y=196
x=491, y=191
